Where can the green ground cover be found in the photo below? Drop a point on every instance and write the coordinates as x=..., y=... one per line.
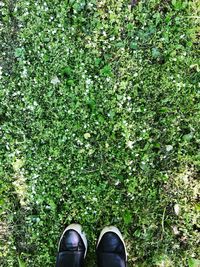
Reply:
x=99, y=124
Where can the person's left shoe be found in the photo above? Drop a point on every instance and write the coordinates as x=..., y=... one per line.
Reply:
x=72, y=247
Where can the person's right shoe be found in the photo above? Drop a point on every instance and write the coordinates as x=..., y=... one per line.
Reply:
x=111, y=250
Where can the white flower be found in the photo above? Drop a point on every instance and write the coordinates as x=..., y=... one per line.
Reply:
x=24, y=73
x=88, y=81
x=87, y=145
x=117, y=182
x=55, y=80
x=169, y=148
x=177, y=209
x=129, y=144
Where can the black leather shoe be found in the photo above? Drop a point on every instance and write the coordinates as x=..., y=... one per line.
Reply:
x=72, y=247
x=111, y=250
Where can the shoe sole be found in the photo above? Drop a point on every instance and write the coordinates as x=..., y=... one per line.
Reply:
x=78, y=228
x=114, y=230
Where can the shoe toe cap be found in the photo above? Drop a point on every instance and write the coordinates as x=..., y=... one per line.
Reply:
x=111, y=243
x=71, y=241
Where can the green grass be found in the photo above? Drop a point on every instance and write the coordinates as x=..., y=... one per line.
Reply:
x=99, y=124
